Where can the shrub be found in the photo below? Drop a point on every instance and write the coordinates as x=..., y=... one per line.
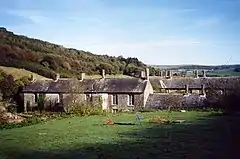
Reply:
x=159, y=120
x=228, y=100
x=85, y=109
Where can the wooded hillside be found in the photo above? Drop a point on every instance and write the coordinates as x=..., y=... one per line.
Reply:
x=46, y=58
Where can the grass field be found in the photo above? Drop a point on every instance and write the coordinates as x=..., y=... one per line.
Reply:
x=224, y=73
x=202, y=135
x=18, y=73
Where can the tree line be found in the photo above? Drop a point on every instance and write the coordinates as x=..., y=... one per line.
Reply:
x=46, y=59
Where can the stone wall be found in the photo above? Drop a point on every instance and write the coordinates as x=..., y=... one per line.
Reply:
x=123, y=101
x=72, y=98
x=147, y=91
x=169, y=101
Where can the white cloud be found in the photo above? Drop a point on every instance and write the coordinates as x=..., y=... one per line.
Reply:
x=35, y=16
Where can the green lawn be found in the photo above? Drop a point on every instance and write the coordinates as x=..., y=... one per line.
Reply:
x=202, y=135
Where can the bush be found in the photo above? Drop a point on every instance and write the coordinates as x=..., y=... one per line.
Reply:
x=85, y=109
x=227, y=101
x=159, y=120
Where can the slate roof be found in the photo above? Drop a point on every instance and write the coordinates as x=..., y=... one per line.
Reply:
x=106, y=85
x=196, y=83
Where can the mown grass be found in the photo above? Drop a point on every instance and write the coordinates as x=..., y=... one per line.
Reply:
x=202, y=135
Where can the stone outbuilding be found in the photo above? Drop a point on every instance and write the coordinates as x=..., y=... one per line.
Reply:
x=110, y=93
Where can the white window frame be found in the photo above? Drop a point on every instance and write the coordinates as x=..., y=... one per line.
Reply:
x=131, y=99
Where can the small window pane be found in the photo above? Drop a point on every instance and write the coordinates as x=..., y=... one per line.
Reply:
x=131, y=100
x=114, y=99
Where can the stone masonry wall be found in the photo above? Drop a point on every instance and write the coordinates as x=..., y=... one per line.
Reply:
x=123, y=100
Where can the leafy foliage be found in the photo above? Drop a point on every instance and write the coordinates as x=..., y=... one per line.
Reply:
x=45, y=58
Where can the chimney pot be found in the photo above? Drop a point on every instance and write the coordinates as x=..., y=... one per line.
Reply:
x=103, y=73
x=56, y=77
x=82, y=76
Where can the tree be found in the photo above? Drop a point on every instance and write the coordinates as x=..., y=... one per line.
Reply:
x=237, y=69
x=152, y=71
x=7, y=86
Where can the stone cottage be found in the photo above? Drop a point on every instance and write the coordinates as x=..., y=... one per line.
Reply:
x=188, y=92
x=112, y=93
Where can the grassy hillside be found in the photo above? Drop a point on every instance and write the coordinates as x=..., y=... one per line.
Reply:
x=224, y=72
x=46, y=58
x=18, y=73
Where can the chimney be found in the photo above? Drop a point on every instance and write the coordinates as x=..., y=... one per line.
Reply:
x=103, y=73
x=165, y=74
x=196, y=73
x=147, y=73
x=82, y=76
x=203, y=90
x=204, y=73
x=161, y=73
x=186, y=89
x=169, y=74
x=32, y=78
x=56, y=77
x=143, y=75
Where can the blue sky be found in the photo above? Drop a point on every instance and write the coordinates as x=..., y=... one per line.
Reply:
x=155, y=31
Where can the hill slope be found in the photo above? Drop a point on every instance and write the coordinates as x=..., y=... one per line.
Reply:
x=17, y=73
x=46, y=58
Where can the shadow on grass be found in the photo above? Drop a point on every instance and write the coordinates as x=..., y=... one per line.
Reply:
x=124, y=124
x=213, y=137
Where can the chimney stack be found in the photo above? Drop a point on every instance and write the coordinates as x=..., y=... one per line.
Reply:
x=82, y=76
x=196, y=73
x=169, y=74
x=56, y=77
x=32, y=78
x=103, y=73
x=147, y=74
x=160, y=73
x=203, y=90
x=204, y=73
x=186, y=89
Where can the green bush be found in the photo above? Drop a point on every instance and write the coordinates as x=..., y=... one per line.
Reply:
x=85, y=109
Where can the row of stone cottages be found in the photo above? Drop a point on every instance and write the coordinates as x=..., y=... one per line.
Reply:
x=122, y=93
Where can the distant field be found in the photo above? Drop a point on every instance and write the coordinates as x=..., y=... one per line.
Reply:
x=202, y=135
x=224, y=73
x=18, y=73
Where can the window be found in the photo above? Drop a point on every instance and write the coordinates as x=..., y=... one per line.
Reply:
x=130, y=99
x=88, y=97
x=36, y=97
x=114, y=99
